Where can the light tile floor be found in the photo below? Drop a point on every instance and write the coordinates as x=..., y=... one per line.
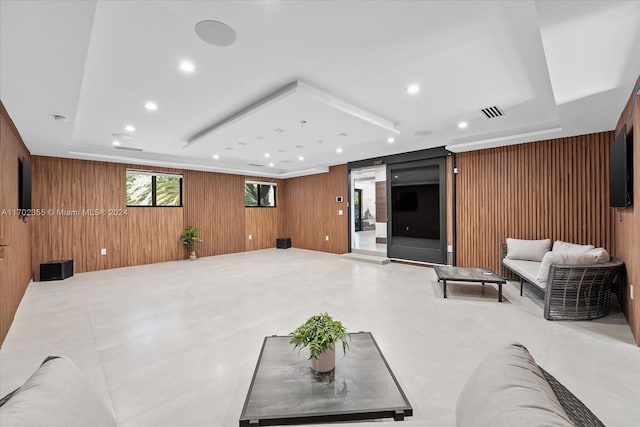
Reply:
x=175, y=344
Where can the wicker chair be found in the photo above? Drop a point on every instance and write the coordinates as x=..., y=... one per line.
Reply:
x=574, y=292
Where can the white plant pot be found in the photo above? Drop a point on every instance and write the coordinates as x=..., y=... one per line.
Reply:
x=326, y=360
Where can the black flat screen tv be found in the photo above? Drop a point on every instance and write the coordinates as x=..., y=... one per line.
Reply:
x=621, y=170
x=24, y=186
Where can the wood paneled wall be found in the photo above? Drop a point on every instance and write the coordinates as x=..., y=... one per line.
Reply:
x=381, y=201
x=15, y=244
x=626, y=222
x=67, y=188
x=312, y=211
x=557, y=189
x=214, y=203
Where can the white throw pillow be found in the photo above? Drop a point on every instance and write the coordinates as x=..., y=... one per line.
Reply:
x=599, y=255
x=562, y=258
x=527, y=250
x=571, y=248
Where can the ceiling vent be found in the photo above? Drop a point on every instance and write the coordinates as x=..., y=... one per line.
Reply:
x=128, y=148
x=256, y=165
x=492, y=112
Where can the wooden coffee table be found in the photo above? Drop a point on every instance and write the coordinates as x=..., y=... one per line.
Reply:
x=465, y=274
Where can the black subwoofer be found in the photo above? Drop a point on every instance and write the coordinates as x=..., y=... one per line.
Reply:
x=283, y=243
x=56, y=270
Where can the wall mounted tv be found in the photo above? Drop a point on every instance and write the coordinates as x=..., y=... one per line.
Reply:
x=621, y=170
x=24, y=185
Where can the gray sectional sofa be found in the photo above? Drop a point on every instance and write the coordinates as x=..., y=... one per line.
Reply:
x=576, y=279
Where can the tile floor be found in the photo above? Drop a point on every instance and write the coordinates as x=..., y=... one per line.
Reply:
x=175, y=344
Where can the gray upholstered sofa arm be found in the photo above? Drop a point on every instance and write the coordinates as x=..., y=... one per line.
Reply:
x=509, y=389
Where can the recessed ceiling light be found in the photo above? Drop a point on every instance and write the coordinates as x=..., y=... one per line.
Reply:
x=412, y=89
x=338, y=150
x=215, y=156
x=151, y=106
x=129, y=128
x=266, y=155
x=116, y=143
x=216, y=33
x=391, y=140
x=187, y=67
x=271, y=164
x=395, y=176
x=301, y=158
x=463, y=125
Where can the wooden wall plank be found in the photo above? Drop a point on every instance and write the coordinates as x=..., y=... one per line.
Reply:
x=15, y=257
x=214, y=203
x=626, y=222
x=548, y=189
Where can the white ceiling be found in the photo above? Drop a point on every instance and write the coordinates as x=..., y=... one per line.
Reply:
x=556, y=69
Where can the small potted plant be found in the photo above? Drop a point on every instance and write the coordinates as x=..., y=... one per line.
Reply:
x=320, y=333
x=189, y=238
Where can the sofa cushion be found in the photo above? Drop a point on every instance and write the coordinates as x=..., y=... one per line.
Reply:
x=528, y=250
x=599, y=255
x=57, y=394
x=571, y=248
x=528, y=270
x=509, y=389
x=562, y=258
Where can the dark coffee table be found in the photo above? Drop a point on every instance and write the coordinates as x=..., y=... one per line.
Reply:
x=285, y=390
x=465, y=274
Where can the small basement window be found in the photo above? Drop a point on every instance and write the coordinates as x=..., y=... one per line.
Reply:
x=153, y=189
x=259, y=194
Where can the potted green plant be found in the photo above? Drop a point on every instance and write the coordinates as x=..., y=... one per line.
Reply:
x=320, y=333
x=189, y=239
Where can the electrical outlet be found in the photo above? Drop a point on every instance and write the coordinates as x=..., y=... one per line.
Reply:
x=631, y=291
x=103, y=251
x=340, y=212
x=250, y=237
x=450, y=248
x=326, y=237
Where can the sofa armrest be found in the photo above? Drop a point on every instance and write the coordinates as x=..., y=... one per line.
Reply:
x=57, y=394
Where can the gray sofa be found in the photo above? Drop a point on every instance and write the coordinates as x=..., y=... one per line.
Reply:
x=576, y=279
x=57, y=394
x=509, y=389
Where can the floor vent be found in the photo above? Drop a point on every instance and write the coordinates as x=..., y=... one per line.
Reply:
x=128, y=148
x=492, y=112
